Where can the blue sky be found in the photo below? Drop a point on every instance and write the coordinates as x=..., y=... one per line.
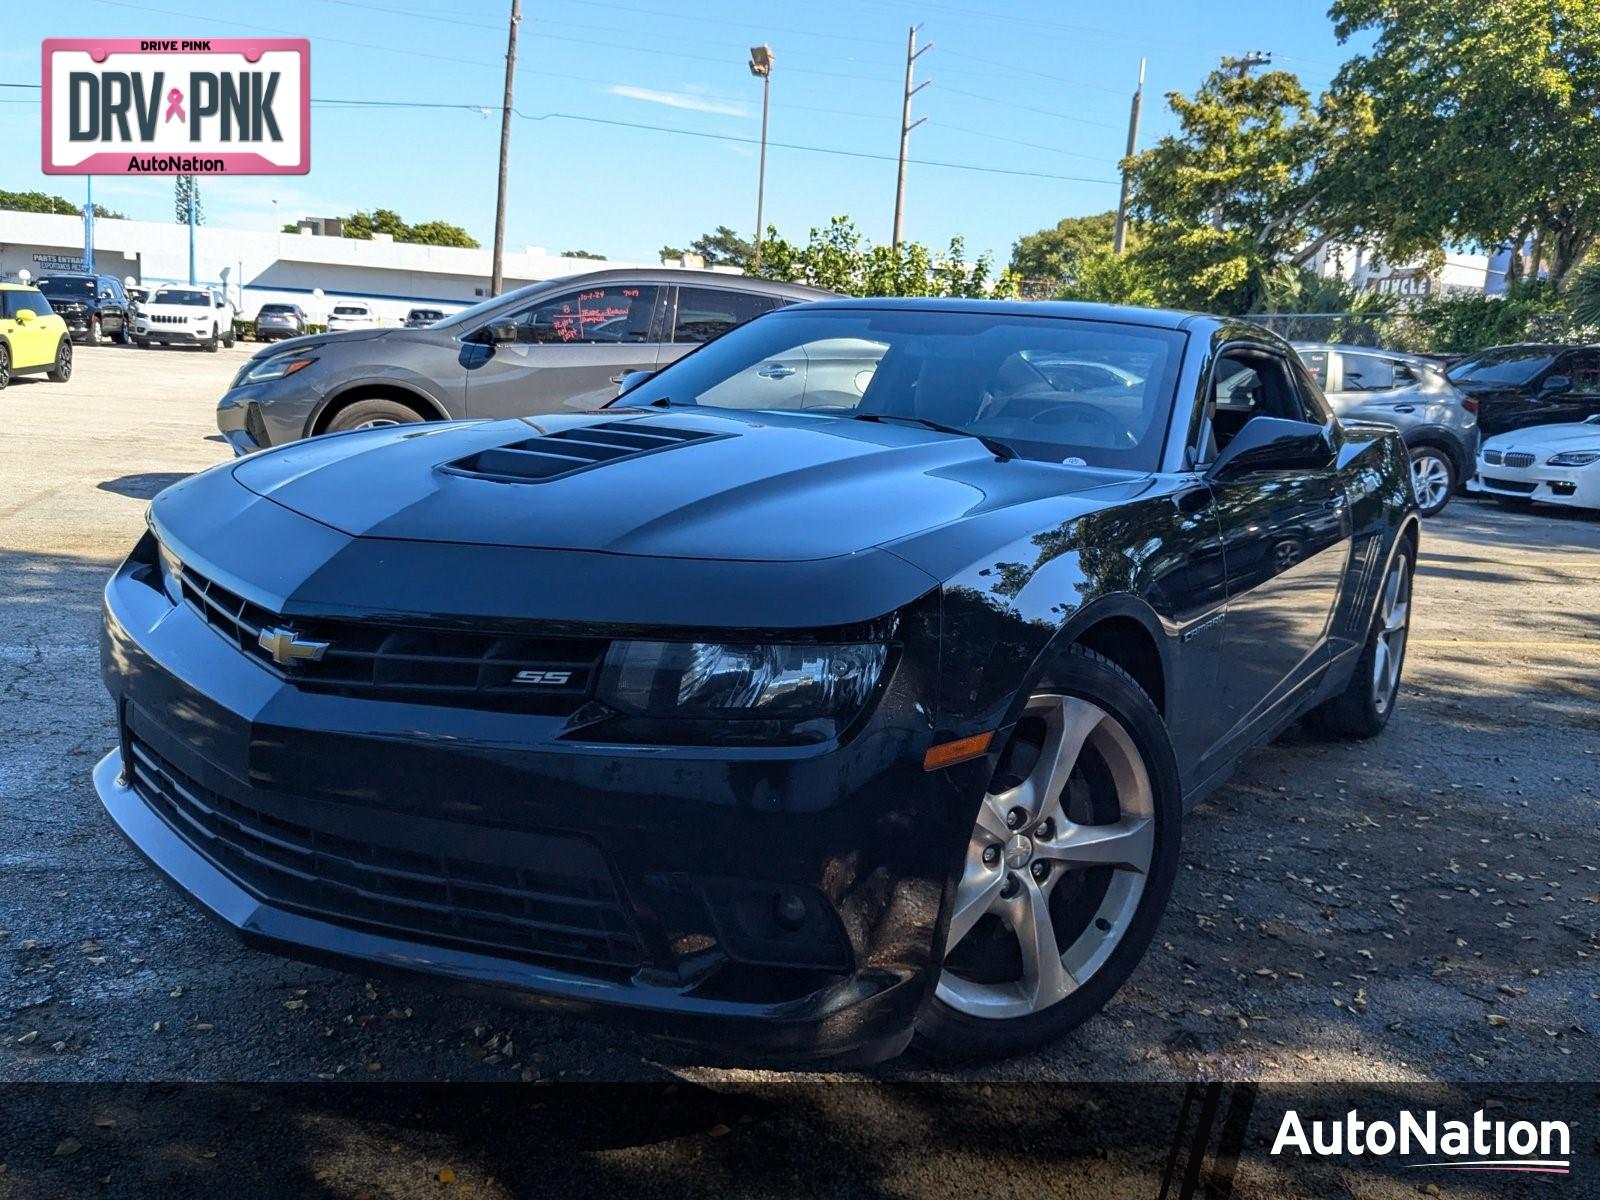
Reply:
x=1035, y=88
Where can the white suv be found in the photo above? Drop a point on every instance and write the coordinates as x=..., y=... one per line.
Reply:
x=351, y=314
x=193, y=316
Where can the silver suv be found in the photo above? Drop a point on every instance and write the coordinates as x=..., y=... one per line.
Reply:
x=1438, y=423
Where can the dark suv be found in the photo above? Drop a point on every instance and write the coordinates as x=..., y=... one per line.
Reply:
x=1530, y=384
x=544, y=348
x=93, y=306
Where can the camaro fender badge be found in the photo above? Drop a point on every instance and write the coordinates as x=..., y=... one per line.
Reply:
x=1203, y=624
x=545, y=678
x=286, y=646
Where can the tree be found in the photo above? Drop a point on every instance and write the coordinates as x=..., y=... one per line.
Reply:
x=1107, y=278
x=583, y=254
x=363, y=225
x=183, y=187
x=840, y=259
x=722, y=247
x=1229, y=200
x=1482, y=125
x=43, y=202
x=1047, y=260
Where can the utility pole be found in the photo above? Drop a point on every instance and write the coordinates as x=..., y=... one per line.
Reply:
x=1119, y=231
x=761, y=67
x=906, y=126
x=497, y=282
x=194, y=187
x=1243, y=66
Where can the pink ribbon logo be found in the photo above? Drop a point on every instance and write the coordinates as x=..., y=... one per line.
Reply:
x=175, y=105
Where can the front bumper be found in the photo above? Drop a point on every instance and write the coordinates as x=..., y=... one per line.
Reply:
x=1575, y=487
x=698, y=844
x=181, y=334
x=255, y=416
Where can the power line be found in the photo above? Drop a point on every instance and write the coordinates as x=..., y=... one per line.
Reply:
x=1008, y=102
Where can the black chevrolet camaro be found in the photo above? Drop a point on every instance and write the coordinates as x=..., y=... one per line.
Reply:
x=844, y=682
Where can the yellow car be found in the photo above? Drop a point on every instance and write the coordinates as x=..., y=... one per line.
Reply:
x=32, y=337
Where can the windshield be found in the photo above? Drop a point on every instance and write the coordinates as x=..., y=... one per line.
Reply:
x=1081, y=392
x=1512, y=364
x=192, y=299
x=484, y=308
x=68, y=285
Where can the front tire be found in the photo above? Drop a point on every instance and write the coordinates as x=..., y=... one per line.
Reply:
x=213, y=341
x=93, y=334
x=372, y=414
x=1068, y=870
x=1367, y=702
x=62, y=371
x=5, y=366
x=1433, y=479
x=228, y=338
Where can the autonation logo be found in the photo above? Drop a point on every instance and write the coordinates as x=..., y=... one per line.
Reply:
x=1481, y=1144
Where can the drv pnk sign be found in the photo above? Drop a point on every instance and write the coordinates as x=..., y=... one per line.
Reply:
x=209, y=106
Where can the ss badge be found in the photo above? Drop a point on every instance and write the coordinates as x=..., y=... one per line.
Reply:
x=545, y=678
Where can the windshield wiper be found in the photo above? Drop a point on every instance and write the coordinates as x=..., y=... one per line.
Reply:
x=993, y=445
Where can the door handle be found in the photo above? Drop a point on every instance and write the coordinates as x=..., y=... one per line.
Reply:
x=1405, y=408
x=617, y=378
x=775, y=371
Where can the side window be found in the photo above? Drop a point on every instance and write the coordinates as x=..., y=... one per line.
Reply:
x=705, y=313
x=1316, y=362
x=1246, y=384
x=612, y=314
x=1584, y=368
x=1367, y=373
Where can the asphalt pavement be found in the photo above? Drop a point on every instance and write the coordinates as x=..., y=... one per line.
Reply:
x=1422, y=907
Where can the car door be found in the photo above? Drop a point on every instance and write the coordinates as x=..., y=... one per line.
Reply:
x=1580, y=399
x=32, y=342
x=113, y=306
x=567, y=346
x=1286, y=543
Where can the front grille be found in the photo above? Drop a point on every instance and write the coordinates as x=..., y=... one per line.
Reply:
x=421, y=665
x=1492, y=457
x=161, y=319
x=1518, y=458
x=1510, y=485
x=568, y=451
x=551, y=897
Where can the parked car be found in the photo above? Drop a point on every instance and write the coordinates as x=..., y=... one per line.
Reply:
x=1438, y=423
x=137, y=295
x=33, y=339
x=1553, y=464
x=532, y=350
x=93, y=306
x=419, y=317
x=184, y=316
x=1530, y=384
x=782, y=728
x=275, y=322
x=351, y=314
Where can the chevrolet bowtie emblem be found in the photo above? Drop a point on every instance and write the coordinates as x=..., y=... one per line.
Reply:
x=286, y=646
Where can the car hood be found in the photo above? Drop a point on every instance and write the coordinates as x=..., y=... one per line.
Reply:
x=1576, y=436
x=313, y=340
x=725, y=485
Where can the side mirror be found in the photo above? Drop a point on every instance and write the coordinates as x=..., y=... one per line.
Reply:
x=503, y=330
x=26, y=316
x=629, y=380
x=1273, y=444
x=1556, y=383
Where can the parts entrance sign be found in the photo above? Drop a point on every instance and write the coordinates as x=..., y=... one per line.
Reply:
x=208, y=106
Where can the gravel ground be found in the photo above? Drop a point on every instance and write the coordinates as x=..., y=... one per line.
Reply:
x=1418, y=908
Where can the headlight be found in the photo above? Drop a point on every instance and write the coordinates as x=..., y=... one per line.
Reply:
x=708, y=679
x=275, y=368
x=1573, y=458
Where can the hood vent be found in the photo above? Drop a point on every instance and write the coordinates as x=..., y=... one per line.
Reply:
x=557, y=455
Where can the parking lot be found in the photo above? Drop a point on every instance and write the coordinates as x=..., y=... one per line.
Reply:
x=1422, y=907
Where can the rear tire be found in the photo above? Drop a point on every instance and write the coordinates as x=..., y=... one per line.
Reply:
x=93, y=334
x=1367, y=702
x=372, y=414
x=213, y=341
x=1433, y=479
x=62, y=371
x=1092, y=769
x=228, y=338
x=123, y=336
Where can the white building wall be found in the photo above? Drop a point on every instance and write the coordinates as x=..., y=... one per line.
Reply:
x=278, y=267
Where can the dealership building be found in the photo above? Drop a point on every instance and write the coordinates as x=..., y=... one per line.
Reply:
x=314, y=267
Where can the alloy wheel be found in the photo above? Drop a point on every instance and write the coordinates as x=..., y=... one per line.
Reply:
x=1430, y=479
x=64, y=361
x=5, y=366
x=1055, y=867
x=375, y=423
x=1394, y=622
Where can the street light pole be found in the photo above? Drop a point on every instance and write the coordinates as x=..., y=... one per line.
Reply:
x=906, y=126
x=761, y=67
x=497, y=281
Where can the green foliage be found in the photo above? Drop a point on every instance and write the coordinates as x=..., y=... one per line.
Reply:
x=43, y=202
x=1469, y=121
x=183, y=187
x=583, y=254
x=1107, y=278
x=1583, y=294
x=841, y=259
x=1529, y=311
x=1227, y=200
x=1047, y=259
x=362, y=225
x=722, y=247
